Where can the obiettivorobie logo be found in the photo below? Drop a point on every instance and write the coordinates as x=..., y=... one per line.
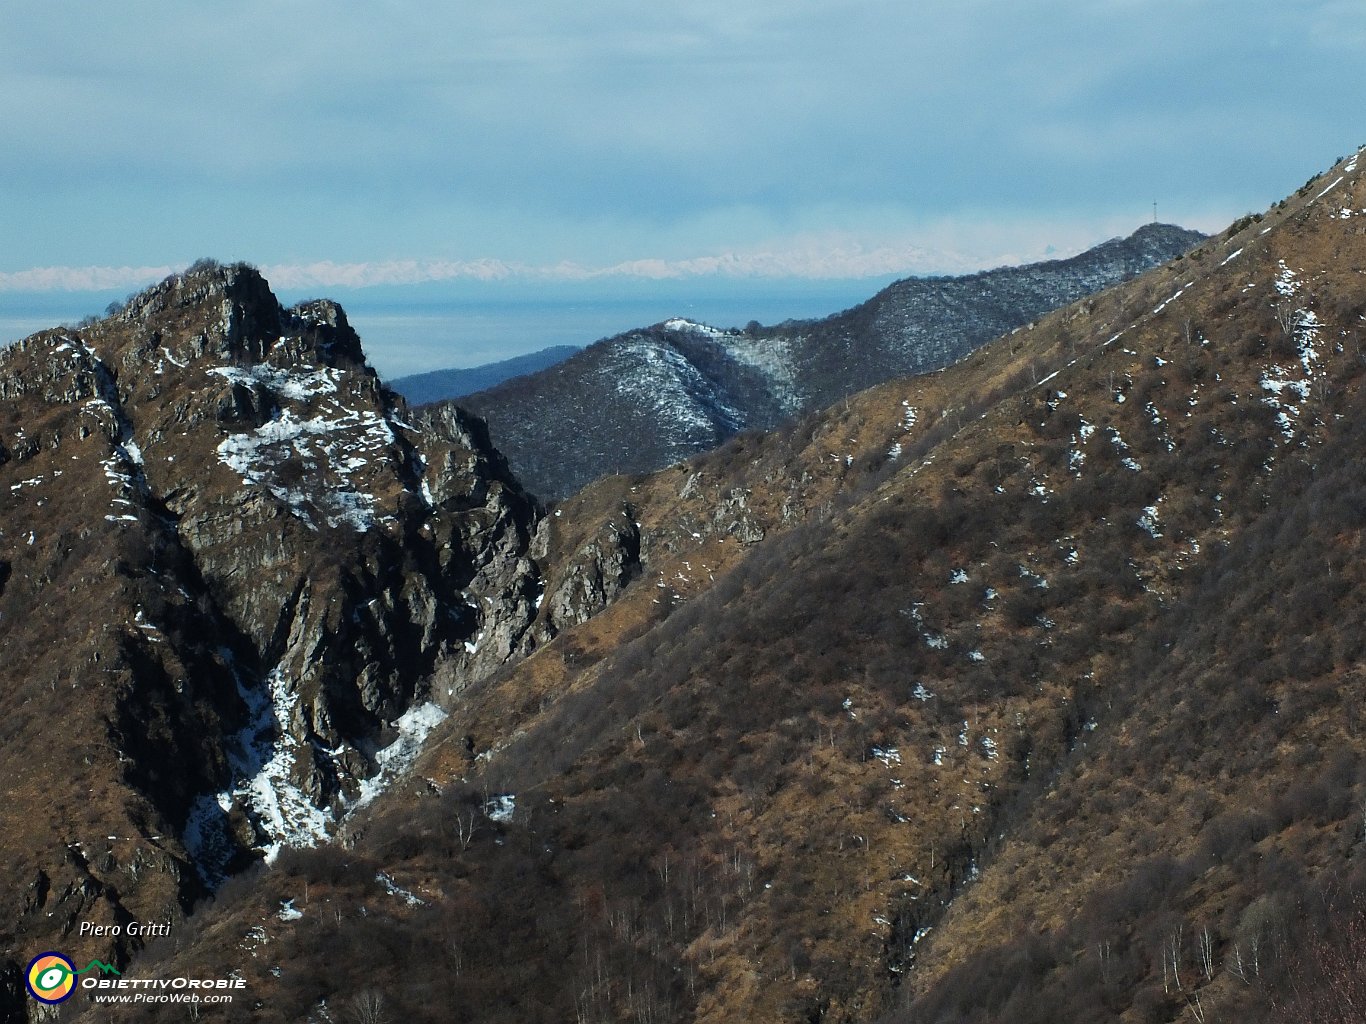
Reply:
x=52, y=977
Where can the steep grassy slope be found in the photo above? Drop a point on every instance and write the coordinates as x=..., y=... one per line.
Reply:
x=1024, y=691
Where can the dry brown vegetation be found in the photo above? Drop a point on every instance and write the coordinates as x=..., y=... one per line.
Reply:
x=1055, y=715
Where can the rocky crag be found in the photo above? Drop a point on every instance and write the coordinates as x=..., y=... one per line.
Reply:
x=230, y=567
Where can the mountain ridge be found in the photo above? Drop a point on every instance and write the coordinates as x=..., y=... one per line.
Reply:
x=647, y=398
x=456, y=382
x=1024, y=690
x=985, y=714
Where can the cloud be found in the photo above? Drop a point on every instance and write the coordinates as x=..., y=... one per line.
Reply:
x=389, y=272
x=81, y=279
x=825, y=258
x=544, y=131
x=847, y=262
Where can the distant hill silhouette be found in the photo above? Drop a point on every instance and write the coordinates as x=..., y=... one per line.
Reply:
x=422, y=388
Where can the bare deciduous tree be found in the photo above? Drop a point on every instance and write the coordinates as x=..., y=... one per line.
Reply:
x=1204, y=943
x=367, y=1007
x=1288, y=313
x=465, y=824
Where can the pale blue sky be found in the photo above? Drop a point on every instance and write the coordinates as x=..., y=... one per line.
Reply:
x=534, y=141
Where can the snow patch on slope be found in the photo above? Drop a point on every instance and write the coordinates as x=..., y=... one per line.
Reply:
x=283, y=810
x=339, y=441
x=681, y=400
x=771, y=357
x=296, y=382
x=414, y=726
x=1303, y=326
x=262, y=757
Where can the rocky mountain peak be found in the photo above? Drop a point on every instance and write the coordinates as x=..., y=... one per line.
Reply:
x=248, y=564
x=334, y=339
x=238, y=317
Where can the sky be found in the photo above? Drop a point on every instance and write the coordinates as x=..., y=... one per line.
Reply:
x=594, y=148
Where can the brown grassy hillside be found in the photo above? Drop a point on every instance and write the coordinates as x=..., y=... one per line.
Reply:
x=1025, y=691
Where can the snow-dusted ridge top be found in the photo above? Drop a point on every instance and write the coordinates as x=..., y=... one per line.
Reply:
x=694, y=327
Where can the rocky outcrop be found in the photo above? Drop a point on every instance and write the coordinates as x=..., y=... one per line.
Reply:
x=488, y=528
x=593, y=576
x=234, y=564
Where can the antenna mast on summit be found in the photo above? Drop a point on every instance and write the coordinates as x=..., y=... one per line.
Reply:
x=1154, y=211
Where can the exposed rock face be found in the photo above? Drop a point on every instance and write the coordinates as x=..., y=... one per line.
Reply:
x=232, y=564
x=490, y=524
x=351, y=548
x=594, y=575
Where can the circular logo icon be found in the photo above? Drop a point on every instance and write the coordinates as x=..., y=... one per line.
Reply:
x=51, y=978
